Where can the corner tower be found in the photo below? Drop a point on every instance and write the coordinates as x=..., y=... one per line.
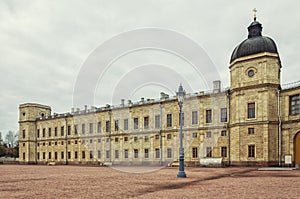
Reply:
x=254, y=83
x=28, y=113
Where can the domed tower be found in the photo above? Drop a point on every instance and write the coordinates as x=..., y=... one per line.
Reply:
x=254, y=83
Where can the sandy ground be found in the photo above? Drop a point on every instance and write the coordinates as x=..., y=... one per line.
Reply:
x=24, y=181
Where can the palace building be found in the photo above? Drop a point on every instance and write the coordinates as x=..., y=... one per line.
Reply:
x=253, y=122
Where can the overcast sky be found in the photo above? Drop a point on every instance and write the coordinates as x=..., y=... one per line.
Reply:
x=44, y=45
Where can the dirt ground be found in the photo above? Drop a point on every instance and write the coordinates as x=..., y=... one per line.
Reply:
x=24, y=181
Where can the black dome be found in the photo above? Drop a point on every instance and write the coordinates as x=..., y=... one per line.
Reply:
x=256, y=43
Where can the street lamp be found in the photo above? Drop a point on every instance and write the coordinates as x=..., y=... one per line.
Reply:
x=180, y=96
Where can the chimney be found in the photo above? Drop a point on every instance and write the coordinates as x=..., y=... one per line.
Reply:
x=217, y=86
x=122, y=102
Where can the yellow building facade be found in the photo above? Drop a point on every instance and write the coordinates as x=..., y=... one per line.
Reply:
x=254, y=122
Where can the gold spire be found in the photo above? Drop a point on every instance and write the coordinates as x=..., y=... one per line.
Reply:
x=254, y=11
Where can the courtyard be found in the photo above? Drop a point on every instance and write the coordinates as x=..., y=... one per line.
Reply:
x=31, y=181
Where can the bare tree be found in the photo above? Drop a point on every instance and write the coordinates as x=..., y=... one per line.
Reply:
x=11, y=139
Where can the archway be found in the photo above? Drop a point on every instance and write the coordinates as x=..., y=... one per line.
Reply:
x=297, y=149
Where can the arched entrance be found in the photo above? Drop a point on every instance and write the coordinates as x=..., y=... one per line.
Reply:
x=297, y=148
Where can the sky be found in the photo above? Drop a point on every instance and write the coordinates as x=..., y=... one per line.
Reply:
x=56, y=52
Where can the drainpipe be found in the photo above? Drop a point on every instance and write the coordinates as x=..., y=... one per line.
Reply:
x=160, y=106
x=35, y=140
x=228, y=124
x=279, y=130
x=66, y=138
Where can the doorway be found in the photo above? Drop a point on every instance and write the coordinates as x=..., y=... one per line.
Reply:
x=297, y=149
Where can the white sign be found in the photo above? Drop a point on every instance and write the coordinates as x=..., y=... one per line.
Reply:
x=288, y=159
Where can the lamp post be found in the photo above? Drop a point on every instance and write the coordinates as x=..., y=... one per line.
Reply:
x=180, y=95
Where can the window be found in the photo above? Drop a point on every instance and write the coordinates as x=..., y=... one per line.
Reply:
x=223, y=114
x=135, y=138
x=62, y=155
x=69, y=142
x=169, y=136
x=107, y=139
x=250, y=131
x=208, y=134
x=55, y=155
x=223, y=151
x=55, y=131
x=38, y=156
x=146, y=138
x=99, y=127
x=156, y=137
x=49, y=132
x=251, y=110
x=76, y=155
x=99, y=154
x=294, y=104
x=195, y=117
x=251, y=151
x=69, y=130
x=157, y=121
x=208, y=152
x=83, y=128
x=76, y=141
x=208, y=116
x=125, y=124
x=116, y=125
x=116, y=139
x=107, y=154
x=146, y=122
x=38, y=133
x=62, y=131
x=83, y=155
x=169, y=153
x=76, y=129
x=107, y=126
x=169, y=120
x=223, y=133
x=49, y=157
x=23, y=134
x=116, y=154
x=69, y=154
x=195, y=135
x=44, y=155
x=136, y=153
x=146, y=154
x=44, y=132
x=126, y=139
x=91, y=141
x=91, y=128
x=126, y=153
x=195, y=152
x=23, y=156
x=136, y=123
x=99, y=140
x=157, y=153
x=91, y=155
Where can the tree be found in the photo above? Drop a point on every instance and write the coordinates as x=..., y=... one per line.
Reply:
x=1, y=140
x=11, y=139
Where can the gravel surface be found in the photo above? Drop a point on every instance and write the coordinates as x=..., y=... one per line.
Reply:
x=24, y=181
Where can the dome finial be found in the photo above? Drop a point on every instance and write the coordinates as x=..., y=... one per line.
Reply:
x=254, y=12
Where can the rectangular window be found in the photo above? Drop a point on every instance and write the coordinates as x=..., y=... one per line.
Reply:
x=38, y=133
x=76, y=155
x=136, y=153
x=169, y=136
x=223, y=133
x=62, y=155
x=116, y=154
x=91, y=128
x=38, y=156
x=23, y=136
x=169, y=120
x=136, y=123
x=250, y=131
x=208, y=134
x=23, y=156
x=44, y=155
x=125, y=124
x=44, y=132
x=55, y=155
x=91, y=155
x=69, y=130
x=195, y=117
x=116, y=139
x=107, y=154
x=208, y=116
x=91, y=141
x=169, y=153
x=116, y=125
x=76, y=129
x=83, y=128
x=55, y=131
x=195, y=135
x=156, y=137
x=146, y=122
x=107, y=126
x=99, y=127
x=99, y=154
x=49, y=157
x=223, y=114
x=126, y=153
x=49, y=132
x=146, y=153
x=107, y=139
x=157, y=121
x=251, y=110
x=69, y=154
x=99, y=140
x=251, y=151
x=294, y=104
x=208, y=152
x=157, y=153
x=83, y=155
x=135, y=138
x=126, y=139
x=146, y=138
x=195, y=152
x=223, y=151
x=62, y=131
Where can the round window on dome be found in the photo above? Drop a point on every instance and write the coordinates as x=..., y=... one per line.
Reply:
x=251, y=73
